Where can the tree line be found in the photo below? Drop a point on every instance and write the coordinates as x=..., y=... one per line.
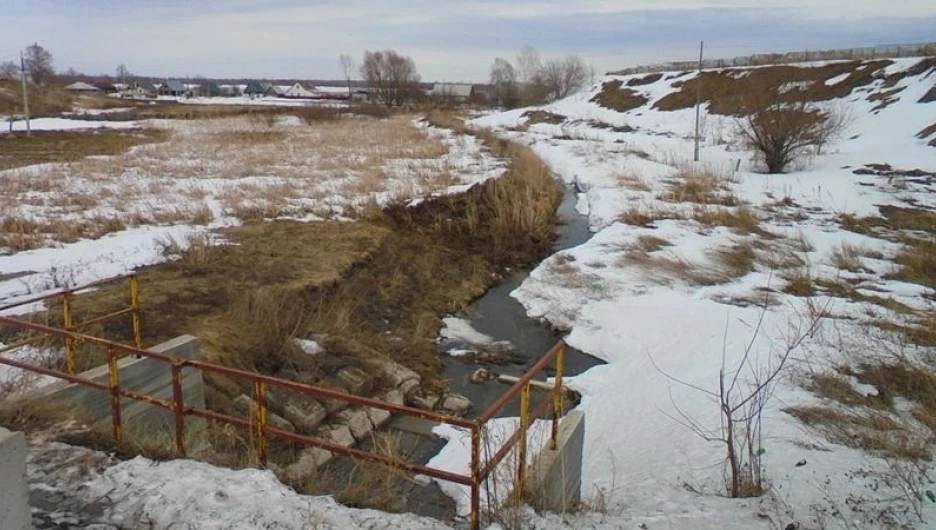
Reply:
x=393, y=79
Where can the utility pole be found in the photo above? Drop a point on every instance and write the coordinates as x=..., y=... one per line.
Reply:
x=25, y=94
x=698, y=102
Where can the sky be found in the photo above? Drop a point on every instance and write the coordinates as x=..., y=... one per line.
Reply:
x=449, y=40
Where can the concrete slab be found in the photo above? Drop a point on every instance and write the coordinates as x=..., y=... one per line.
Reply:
x=14, y=495
x=555, y=478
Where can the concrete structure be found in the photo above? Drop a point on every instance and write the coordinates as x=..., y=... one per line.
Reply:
x=146, y=376
x=555, y=477
x=14, y=495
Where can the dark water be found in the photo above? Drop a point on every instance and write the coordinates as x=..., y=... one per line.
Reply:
x=503, y=318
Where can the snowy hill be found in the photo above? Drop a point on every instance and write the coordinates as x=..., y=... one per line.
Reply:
x=709, y=267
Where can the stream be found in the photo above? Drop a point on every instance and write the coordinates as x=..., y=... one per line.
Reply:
x=504, y=319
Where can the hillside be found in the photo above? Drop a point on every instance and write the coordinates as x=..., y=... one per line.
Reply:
x=824, y=275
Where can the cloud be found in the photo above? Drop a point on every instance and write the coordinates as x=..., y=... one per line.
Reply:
x=451, y=39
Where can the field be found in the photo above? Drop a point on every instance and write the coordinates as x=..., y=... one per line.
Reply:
x=797, y=307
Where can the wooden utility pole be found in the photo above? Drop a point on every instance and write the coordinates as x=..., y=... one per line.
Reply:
x=25, y=94
x=698, y=102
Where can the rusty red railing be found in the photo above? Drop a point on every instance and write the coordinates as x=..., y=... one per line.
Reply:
x=480, y=470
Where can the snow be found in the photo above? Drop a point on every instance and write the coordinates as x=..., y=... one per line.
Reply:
x=665, y=338
x=309, y=347
x=68, y=124
x=165, y=494
x=51, y=269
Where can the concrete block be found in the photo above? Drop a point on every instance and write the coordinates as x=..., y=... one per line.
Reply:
x=310, y=459
x=337, y=434
x=14, y=494
x=378, y=417
x=357, y=381
x=456, y=403
x=393, y=373
x=357, y=421
x=247, y=407
x=145, y=376
x=423, y=399
x=555, y=477
x=395, y=397
x=303, y=411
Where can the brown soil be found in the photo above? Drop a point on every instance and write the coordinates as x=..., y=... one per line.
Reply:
x=725, y=91
x=613, y=96
x=541, y=116
x=647, y=80
x=17, y=150
x=930, y=96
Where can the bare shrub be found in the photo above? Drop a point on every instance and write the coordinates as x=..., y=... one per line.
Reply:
x=781, y=130
x=741, y=406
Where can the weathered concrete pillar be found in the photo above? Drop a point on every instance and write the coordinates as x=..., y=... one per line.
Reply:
x=14, y=496
x=555, y=478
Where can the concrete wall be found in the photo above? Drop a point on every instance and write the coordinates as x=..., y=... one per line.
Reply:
x=555, y=478
x=146, y=376
x=14, y=496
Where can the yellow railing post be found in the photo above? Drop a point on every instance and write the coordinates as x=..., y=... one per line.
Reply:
x=557, y=397
x=476, y=476
x=260, y=428
x=135, y=304
x=69, y=342
x=114, y=393
x=522, y=445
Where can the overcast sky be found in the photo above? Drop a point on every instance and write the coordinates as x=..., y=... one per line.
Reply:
x=449, y=39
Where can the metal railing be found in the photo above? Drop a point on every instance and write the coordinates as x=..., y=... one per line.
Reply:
x=66, y=296
x=257, y=424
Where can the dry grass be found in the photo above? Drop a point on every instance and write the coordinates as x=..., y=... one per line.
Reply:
x=868, y=430
x=699, y=186
x=615, y=97
x=633, y=182
x=737, y=260
x=849, y=290
x=258, y=171
x=17, y=150
x=741, y=219
x=848, y=258
x=43, y=100
x=917, y=262
x=800, y=283
x=645, y=216
x=725, y=92
x=648, y=244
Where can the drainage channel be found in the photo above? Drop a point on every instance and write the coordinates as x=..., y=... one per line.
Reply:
x=504, y=320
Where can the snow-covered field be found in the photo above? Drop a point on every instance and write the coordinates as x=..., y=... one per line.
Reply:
x=658, y=303
x=215, y=173
x=666, y=335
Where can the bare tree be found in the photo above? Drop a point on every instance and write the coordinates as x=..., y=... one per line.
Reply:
x=504, y=83
x=564, y=77
x=9, y=70
x=781, y=130
x=123, y=73
x=347, y=67
x=38, y=64
x=545, y=81
x=392, y=77
x=529, y=64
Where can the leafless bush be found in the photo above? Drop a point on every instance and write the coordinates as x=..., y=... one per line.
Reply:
x=741, y=405
x=781, y=130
